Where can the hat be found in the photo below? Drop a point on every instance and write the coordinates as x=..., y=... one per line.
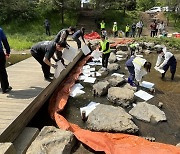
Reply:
x=115, y=23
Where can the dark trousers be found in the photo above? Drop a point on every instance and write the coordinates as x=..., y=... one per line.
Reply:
x=3, y=73
x=172, y=64
x=131, y=74
x=78, y=42
x=115, y=33
x=44, y=66
x=48, y=30
x=152, y=33
x=139, y=31
x=133, y=32
x=105, y=58
x=127, y=34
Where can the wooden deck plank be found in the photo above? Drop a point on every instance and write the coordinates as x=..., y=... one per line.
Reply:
x=30, y=91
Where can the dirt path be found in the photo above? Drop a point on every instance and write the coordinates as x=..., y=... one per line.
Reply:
x=147, y=19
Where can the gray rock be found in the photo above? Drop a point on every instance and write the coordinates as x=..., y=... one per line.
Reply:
x=160, y=104
x=101, y=88
x=178, y=145
x=111, y=119
x=112, y=57
x=103, y=73
x=147, y=52
x=121, y=53
x=113, y=67
x=147, y=112
x=149, y=45
x=128, y=86
x=122, y=47
x=121, y=96
x=115, y=81
x=51, y=141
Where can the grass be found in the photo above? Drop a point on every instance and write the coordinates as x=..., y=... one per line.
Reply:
x=22, y=36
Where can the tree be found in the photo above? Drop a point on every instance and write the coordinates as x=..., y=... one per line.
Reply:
x=145, y=4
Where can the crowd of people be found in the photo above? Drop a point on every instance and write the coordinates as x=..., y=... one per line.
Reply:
x=45, y=50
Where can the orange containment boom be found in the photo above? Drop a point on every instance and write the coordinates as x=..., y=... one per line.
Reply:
x=110, y=143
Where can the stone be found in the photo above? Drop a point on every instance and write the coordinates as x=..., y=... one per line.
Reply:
x=160, y=104
x=7, y=148
x=115, y=81
x=147, y=112
x=112, y=58
x=178, y=145
x=113, y=67
x=111, y=119
x=122, y=47
x=147, y=52
x=128, y=86
x=121, y=96
x=101, y=88
x=52, y=140
x=121, y=53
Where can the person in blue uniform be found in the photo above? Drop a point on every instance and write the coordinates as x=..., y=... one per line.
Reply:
x=168, y=61
x=43, y=52
x=137, y=67
x=3, y=55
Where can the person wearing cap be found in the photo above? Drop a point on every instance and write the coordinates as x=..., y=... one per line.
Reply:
x=62, y=37
x=133, y=46
x=127, y=30
x=115, y=29
x=3, y=74
x=77, y=34
x=43, y=52
x=137, y=67
x=169, y=61
x=105, y=47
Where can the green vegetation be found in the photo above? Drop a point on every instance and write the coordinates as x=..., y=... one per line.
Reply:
x=118, y=16
x=169, y=42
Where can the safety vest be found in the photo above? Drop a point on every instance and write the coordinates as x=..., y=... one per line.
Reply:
x=127, y=29
x=133, y=45
x=103, y=46
x=102, y=25
x=114, y=28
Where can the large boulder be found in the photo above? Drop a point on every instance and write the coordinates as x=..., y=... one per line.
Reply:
x=121, y=96
x=115, y=81
x=111, y=119
x=122, y=47
x=113, y=67
x=147, y=112
x=128, y=86
x=112, y=57
x=52, y=140
x=121, y=53
x=101, y=88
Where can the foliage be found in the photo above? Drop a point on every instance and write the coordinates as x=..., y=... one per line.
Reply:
x=169, y=42
x=145, y=4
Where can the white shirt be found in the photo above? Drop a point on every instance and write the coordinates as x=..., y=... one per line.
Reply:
x=139, y=68
x=167, y=55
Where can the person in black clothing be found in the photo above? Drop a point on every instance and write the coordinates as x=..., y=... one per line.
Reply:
x=43, y=52
x=3, y=74
x=62, y=37
x=133, y=30
x=76, y=36
x=47, y=27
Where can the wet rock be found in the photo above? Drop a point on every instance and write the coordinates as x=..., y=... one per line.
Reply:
x=103, y=73
x=113, y=67
x=149, y=45
x=113, y=50
x=160, y=104
x=128, y=86
x=152, y=139
x=147, y=112
x=101, y=88
x=121, y=53
x=121, y=96
x=115, y=81
x=111, y=119
x=112, y=58
x=122, y=47
x=178, y=145
x=52, y=140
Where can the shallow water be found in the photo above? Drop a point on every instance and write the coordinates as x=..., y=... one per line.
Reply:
x=167, y=92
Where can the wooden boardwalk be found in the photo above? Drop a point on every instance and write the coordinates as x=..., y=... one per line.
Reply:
x=30, y=91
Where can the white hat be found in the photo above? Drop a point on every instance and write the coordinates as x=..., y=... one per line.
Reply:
x=115, y=23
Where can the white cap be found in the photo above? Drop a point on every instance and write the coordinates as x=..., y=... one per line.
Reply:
x=115, y=23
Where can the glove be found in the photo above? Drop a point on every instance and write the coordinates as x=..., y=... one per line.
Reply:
x=54, y=66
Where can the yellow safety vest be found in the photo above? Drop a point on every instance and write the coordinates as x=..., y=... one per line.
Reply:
x=114, y=28
x=102, y=25
x=127, y=29
x=103, y=46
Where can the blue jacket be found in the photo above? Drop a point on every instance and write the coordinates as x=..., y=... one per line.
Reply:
x=3, y=40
